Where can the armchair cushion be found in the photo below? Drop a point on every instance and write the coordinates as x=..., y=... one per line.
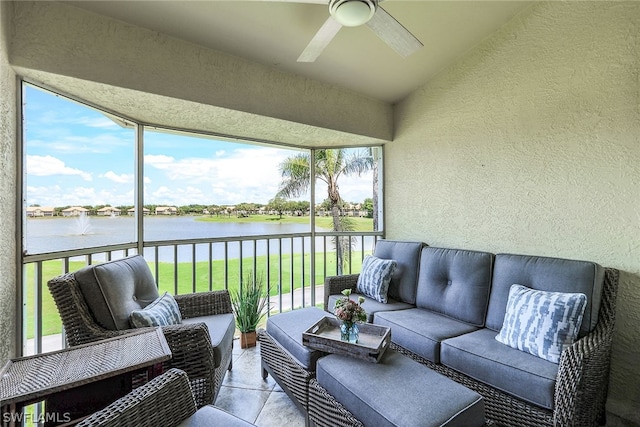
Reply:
x=375, y=276
x=114, y=289
x=210, y=416
x=221, y=327
x=163, y=311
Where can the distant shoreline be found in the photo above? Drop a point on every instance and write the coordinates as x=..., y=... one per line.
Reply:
x=326, y=222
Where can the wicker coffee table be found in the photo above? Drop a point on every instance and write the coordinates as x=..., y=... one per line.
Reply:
x=78, y=381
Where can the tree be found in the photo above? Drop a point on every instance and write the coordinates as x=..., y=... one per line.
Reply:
x=330, y=165
x=368, y=206
x=278, y=204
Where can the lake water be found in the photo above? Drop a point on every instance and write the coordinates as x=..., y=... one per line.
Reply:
x=57, y=234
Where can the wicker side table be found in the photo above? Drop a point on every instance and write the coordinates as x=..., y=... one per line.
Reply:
x=77, y=381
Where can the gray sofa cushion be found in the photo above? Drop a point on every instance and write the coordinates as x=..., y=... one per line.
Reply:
x=398, y=392
x=455, y=283
x=370, y=305
x=405, y=277
x=421, y=331
x=114, y=289
x=221, y=327
x=521, y=374
x=287, y=328
x=545, y=274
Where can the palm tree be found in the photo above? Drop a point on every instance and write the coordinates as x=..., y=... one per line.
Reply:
x=330, y=165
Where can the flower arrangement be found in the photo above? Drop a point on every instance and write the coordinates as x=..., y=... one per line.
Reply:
x=348, y=310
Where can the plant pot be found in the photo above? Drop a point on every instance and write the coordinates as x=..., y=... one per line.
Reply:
x=247, y=339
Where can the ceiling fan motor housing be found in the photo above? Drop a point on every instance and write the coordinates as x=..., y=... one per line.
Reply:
x=352, y=13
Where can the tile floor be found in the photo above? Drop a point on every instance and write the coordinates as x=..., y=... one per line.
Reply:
x=245, y=394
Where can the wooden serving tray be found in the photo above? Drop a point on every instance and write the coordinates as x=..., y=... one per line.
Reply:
x=324, y=335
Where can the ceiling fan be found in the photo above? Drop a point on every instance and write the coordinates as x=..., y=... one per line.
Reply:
x=353, y=13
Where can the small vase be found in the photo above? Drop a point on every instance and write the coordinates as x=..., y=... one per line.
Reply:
x=349, y=332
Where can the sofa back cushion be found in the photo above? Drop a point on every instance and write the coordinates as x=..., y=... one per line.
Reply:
x=455, y=283
x=405, y=277
x=114, y=289
x=545, y=274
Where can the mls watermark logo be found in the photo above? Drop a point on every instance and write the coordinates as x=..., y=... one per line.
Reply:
x=35, y=419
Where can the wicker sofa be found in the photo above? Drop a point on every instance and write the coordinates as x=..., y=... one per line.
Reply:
x=446, y=307
x=95, y=303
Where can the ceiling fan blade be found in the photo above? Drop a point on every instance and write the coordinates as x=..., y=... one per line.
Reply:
x=393, y=33
x=322, y=38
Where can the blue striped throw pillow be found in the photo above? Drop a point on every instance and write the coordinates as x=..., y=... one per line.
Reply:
x=542, y=323
x=375, y=277
x=161, y=312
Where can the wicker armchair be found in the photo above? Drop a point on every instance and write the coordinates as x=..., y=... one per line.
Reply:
x=164, y=401
x=190, y=342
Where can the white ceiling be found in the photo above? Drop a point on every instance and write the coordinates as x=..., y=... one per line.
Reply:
x=274, y=33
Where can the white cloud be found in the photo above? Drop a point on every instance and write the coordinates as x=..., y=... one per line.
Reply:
x=55, y=195
x=120, y=179
x=96, y=122
x=49, y=165
x=62, y=143
x=230, y=177
x=178, y=196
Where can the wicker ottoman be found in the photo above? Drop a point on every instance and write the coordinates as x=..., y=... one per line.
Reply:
x=398, y=391
x=285, y=358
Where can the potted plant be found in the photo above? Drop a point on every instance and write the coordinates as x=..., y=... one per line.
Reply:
x=249, y=307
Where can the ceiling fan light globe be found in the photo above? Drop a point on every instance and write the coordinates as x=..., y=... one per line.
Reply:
x=352, y=13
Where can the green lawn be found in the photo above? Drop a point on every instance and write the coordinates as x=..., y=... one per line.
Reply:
x=360, y=224
x=283, y=280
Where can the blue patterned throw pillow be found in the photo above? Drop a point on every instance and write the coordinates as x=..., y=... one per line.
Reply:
x=375, y=277
x=542, y=323
x=161, y=312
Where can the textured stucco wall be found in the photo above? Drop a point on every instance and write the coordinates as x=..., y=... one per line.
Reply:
x=7, y=192
x=61, y=39
x=531, y=144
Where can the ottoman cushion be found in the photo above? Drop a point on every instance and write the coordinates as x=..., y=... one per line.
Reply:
x=287, y=328
x=398, y=392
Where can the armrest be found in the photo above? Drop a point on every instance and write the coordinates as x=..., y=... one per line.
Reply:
x=583, y=373
x=192, y=353
x=204, y=304
x=165, y=400
x=335, y=284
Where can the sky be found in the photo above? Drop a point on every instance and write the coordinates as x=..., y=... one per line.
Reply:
x=76, y=155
